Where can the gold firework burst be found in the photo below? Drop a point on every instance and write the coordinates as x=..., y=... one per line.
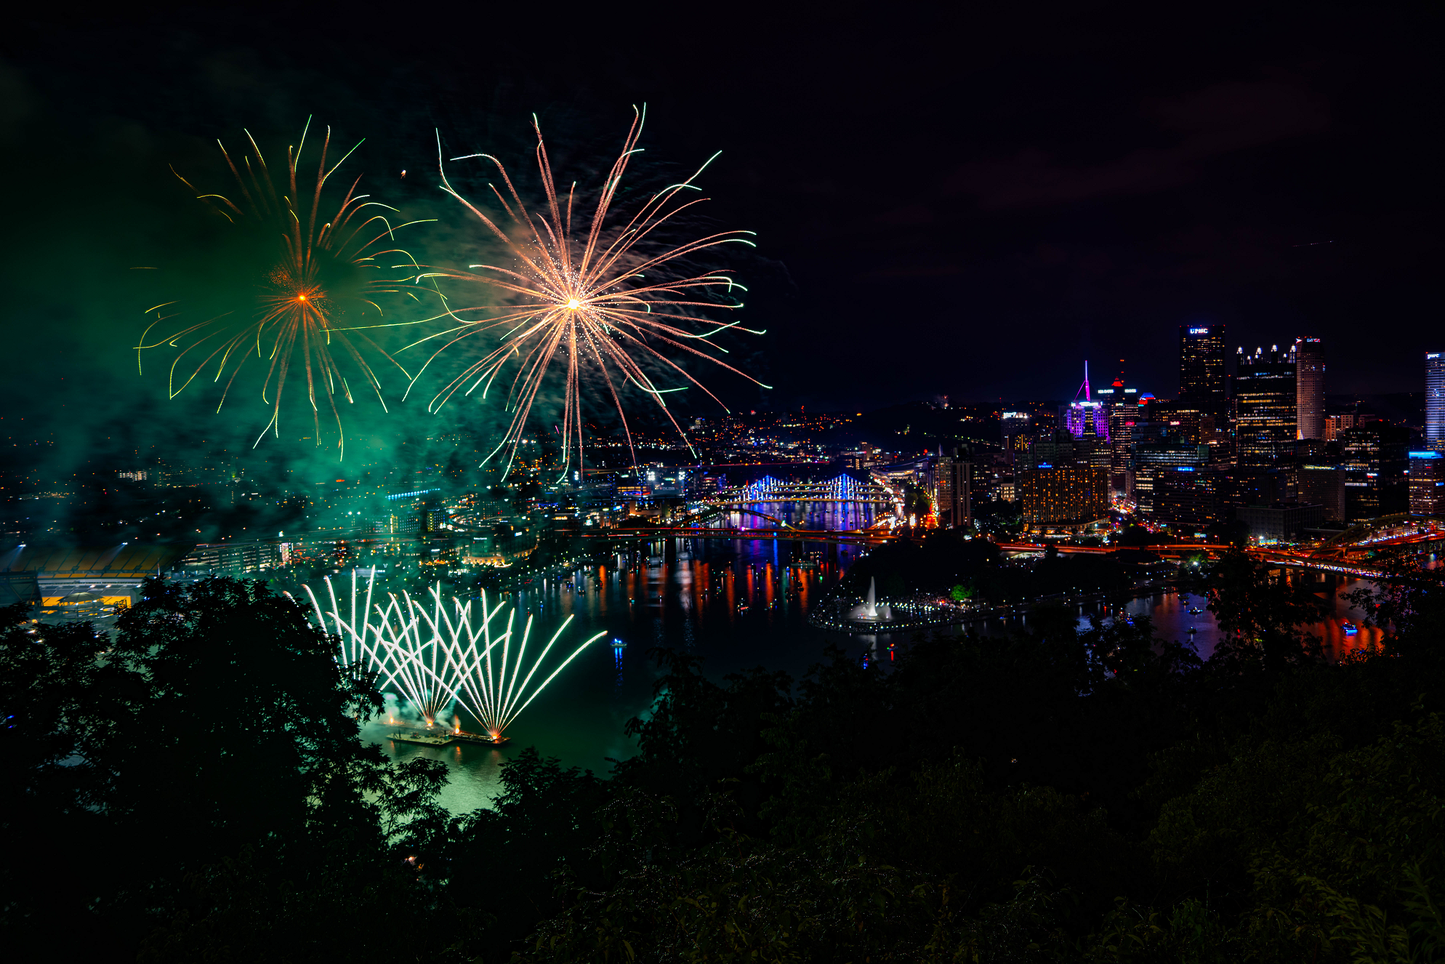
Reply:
x=610, y=301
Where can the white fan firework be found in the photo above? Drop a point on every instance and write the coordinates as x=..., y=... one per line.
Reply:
x=434, y=654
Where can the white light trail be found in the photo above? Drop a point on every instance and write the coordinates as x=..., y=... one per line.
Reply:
x=433, y=654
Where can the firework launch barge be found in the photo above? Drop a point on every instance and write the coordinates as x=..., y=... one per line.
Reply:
x=437, y=736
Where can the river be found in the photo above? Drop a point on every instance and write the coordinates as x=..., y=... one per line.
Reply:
x=736, y=604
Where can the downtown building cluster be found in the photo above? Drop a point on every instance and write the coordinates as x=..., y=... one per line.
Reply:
x=1249, y=443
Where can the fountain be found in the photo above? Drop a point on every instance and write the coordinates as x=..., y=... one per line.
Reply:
x=870, y=616
x=869, y=611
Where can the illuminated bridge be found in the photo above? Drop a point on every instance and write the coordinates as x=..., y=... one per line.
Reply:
x=839, y=490
x=1389, y=535
x=714, y=524
x=1362, y=550
x=757, y=510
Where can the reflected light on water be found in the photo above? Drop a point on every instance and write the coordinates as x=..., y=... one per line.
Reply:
x=738, y=604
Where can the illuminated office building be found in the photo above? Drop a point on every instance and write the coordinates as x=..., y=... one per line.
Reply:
x=1122, y=406
x=1177, y=421
x=952, y=478
x=1052, y=495
x=1188, y=496
x=1087, y=417
x=1265, y=396
x=1324, y=485
x=1376, y=459
x=1435, y=401
x=1201, y=368
x=1018, y=430
x=1059, y=448
x=1309, y=354
x=1427, y=483
x=1152, y=458
x=1093, y=451
x=1335, y=425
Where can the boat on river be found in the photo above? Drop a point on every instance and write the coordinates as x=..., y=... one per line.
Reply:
x=439, y=736
x=421, y=738
x=482, y=739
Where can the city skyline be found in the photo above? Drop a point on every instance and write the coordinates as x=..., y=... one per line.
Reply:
x=791, y=483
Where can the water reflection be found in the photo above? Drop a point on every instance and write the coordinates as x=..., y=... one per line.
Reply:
x=737, y=604
x=1184, y=618
x=1174, y=616
x=474, y=769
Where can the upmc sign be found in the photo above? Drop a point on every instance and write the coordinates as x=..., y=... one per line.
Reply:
x=1199, y=331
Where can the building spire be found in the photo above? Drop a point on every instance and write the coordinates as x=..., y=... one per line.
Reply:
x=1085, y=387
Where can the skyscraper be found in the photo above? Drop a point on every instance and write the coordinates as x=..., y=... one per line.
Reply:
x=1188, y=496
x=952, y=478
x=1264, y=405
x=1086, y=417
x=1427, y=483
x=1309, y=356
x=1201, y=368
x=1435, y=400
x=1376, y=462
x=1324, y=485
x=1152, y=458
x=1063, y=494
x=1122, y=405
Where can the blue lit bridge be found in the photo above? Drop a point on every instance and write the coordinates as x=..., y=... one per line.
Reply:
x=842, y=489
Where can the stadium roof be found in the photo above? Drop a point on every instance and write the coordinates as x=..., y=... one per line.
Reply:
x=120, y=560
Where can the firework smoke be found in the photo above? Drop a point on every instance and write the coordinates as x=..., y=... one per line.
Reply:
x=323, y=281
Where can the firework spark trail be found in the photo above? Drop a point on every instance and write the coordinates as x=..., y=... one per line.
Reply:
x=589, y=297
x=435, y=654
x=315, y=271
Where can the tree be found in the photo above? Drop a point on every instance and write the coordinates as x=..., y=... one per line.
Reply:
x=1054, y=794
x=210, y=751
x=1137, y=537
x=1410, y=600
x=507, y=860
x=1262, y=612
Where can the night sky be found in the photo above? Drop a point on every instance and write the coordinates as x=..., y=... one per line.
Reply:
x=966, y=204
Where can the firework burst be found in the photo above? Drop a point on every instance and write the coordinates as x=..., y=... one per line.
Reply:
x=607, y=302
x=436, y=654
x=321, y=269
